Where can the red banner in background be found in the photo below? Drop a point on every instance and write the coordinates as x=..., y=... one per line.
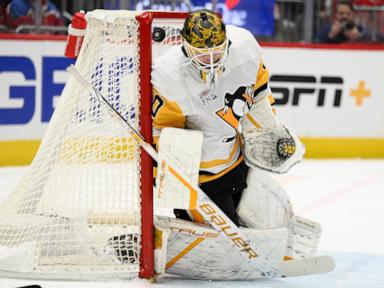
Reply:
x=368, y=3
x=231, y=3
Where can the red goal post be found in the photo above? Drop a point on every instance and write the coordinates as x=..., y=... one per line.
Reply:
x=146, y=30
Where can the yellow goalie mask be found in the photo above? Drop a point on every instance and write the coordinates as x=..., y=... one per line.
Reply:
x=205, y=42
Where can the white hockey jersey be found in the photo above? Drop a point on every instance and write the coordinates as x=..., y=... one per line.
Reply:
x=183, y=99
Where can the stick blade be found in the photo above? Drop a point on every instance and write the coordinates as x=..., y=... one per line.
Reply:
x=308, y=266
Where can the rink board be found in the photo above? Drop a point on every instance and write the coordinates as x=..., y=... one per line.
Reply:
x=332, y=98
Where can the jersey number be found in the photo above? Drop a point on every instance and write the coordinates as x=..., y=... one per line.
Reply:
x=156, y=105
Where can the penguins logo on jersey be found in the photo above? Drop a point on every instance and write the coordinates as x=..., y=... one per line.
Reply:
x=236, y=105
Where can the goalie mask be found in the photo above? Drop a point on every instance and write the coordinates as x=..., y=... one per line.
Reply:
x=205, y=42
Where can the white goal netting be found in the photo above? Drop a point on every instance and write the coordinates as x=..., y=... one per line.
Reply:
x=77, y=211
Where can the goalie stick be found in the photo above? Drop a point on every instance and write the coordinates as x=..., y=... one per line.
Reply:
x=209, y=210
x=306, y=266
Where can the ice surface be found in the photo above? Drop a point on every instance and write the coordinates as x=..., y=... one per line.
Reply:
x=345, y=196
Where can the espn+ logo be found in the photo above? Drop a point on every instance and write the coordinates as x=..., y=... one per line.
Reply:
x=291, y=89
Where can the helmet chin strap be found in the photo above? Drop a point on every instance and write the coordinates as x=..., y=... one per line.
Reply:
x=212, y=79
x=212, y=83
x=212, y=74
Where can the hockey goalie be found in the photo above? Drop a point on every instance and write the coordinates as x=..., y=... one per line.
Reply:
x=84, y=208
x=214, y=128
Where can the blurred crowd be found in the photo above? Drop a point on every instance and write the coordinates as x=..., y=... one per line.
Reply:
x=334, y=21
x=353, y=21
x=344, y=27
x=15, y=13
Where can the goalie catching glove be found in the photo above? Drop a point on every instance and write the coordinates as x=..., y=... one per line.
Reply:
x=267, y=143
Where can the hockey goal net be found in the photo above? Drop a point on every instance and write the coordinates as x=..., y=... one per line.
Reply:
x=84, y=208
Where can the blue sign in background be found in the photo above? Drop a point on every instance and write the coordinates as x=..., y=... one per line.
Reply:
x=254, y=15
x=27, y=93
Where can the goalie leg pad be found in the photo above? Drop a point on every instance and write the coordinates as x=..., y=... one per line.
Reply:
x=303, y=238
x=198, y=251
x=264, y=203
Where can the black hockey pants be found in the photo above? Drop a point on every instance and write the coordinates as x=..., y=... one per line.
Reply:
x=225, y=192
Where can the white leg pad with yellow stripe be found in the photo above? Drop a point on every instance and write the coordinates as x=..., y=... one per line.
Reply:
x=265, y=204
x=194, y=250
x=181, y=149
